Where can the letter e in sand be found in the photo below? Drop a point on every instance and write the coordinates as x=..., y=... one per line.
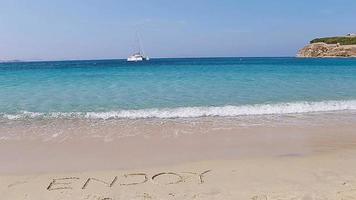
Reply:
x=61, y=183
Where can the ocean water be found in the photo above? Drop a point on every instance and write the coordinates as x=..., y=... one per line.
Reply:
x=176, y=88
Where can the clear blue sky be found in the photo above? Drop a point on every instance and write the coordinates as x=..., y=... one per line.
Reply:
x=94, y=29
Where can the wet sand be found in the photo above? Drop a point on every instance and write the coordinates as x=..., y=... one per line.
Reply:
x=286, y=157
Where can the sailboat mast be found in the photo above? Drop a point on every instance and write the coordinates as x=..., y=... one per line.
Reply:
x=141, y=51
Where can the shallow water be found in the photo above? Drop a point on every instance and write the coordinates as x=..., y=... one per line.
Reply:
x=175, y=88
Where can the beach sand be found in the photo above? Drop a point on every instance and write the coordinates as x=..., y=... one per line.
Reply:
x=280, y=158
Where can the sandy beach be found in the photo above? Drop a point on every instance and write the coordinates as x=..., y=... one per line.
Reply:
x=285, y=157
x=177, y=100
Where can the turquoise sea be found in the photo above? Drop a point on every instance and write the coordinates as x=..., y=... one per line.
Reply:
x=172, y=88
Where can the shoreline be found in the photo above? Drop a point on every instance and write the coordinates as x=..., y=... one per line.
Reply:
x=61, y=129
x=125, y=144
x=268, y=109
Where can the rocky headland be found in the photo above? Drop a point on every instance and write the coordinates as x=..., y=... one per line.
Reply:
x=330, y=48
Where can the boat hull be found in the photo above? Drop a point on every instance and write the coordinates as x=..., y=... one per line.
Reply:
x=137, y=59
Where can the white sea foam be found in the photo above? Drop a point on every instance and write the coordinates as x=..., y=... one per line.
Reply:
x=193, y=112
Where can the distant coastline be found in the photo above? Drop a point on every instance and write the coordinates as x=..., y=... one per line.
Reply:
x=11, y=61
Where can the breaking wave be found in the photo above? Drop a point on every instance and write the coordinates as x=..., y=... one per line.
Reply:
x=193, y=112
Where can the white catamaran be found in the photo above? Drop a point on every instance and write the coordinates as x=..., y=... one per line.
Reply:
x=140, y=55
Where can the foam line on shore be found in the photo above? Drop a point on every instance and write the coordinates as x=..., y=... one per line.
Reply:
x=193, y=112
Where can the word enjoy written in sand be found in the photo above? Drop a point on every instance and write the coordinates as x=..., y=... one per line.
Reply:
x=162, y=178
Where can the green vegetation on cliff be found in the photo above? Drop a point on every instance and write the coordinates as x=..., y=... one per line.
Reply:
x=335, y=40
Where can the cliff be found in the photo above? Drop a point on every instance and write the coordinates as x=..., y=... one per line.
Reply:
x=321, y=50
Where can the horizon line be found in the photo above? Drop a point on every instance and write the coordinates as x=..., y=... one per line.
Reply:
x=153, y=58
